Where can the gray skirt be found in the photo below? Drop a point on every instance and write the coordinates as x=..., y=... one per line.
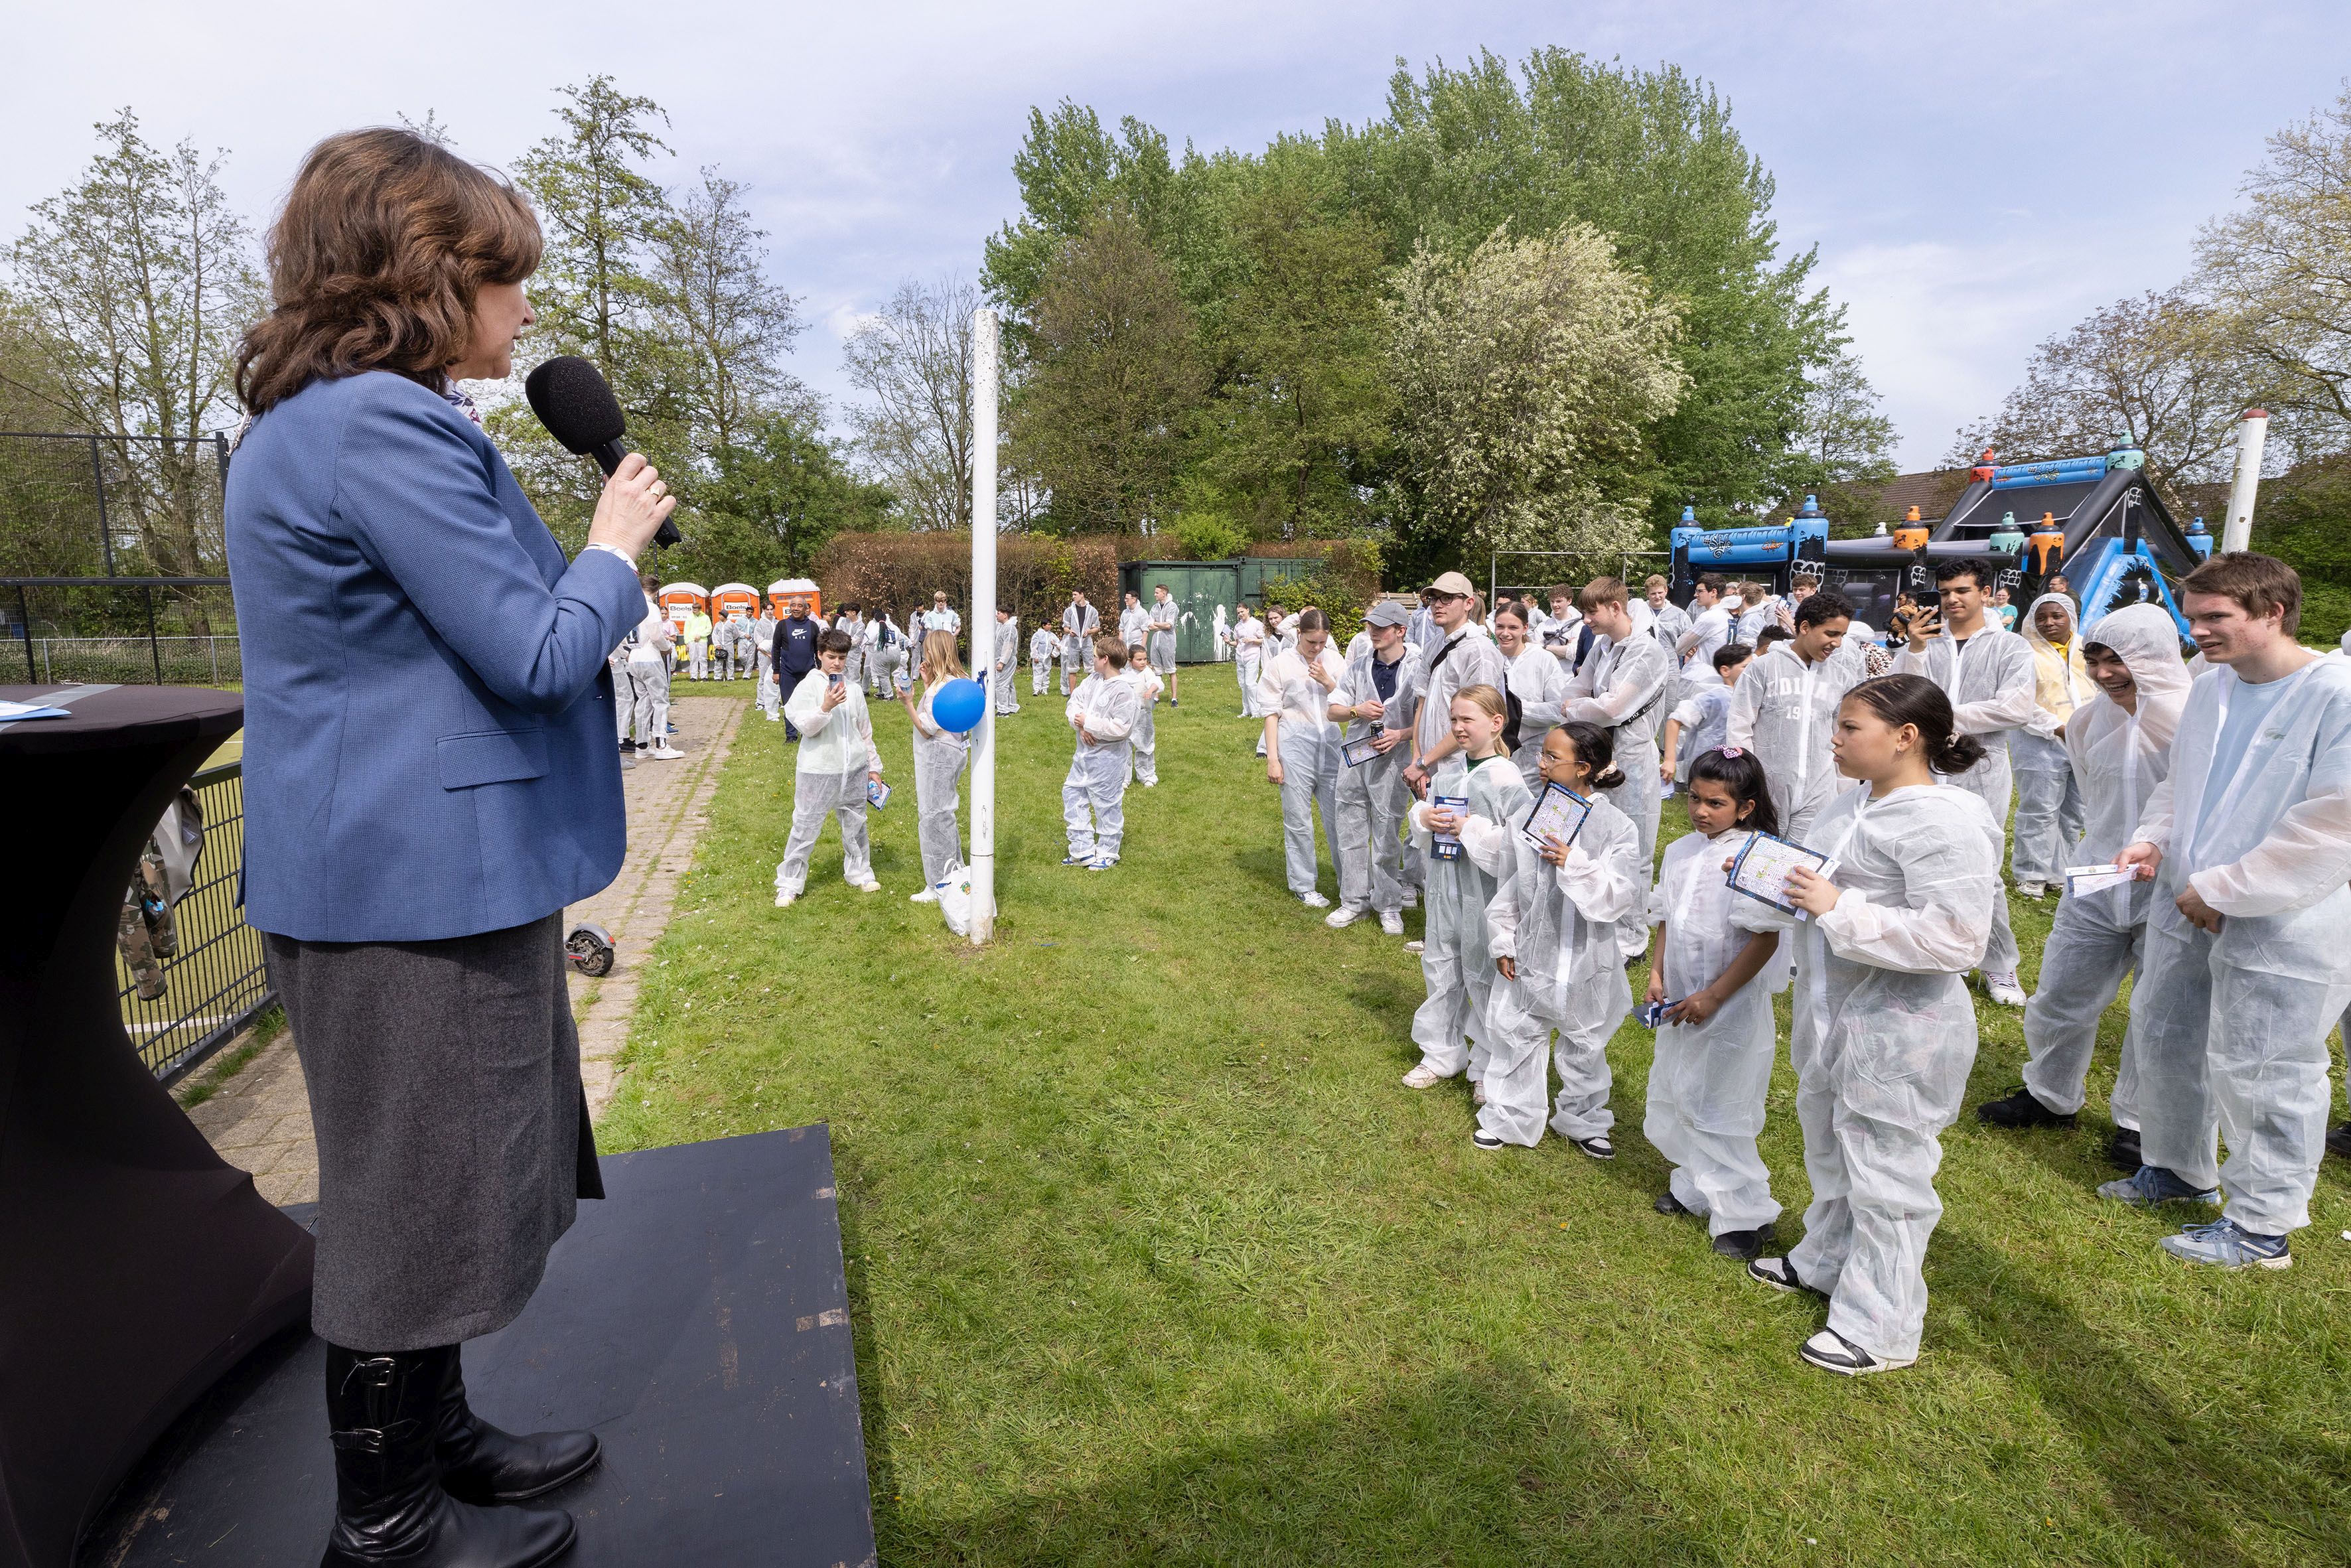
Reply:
x=453, y=1133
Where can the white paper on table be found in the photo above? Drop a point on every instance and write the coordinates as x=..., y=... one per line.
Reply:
x=1560, y=814
x=1761, y=870
x=10, y=712
x=2082, y=880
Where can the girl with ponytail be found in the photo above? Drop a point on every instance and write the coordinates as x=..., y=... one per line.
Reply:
x=1559, y=965
x=1885, y=1033
x=1456, y=959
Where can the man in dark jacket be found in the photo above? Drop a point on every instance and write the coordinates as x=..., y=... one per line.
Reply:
x=795, y=656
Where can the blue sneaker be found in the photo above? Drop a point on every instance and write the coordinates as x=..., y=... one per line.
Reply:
x=2153, y=1185
x=1101, y=862
x=2226, y=1244
x=1077, y=859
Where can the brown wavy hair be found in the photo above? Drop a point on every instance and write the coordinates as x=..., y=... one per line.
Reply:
x=384, y=243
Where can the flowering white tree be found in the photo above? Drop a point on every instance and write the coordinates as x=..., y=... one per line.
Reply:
x=1528, y=374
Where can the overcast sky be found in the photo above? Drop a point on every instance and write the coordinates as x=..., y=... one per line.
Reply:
x=1976, y=176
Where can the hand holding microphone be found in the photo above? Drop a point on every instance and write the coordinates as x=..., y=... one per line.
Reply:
x=572, y=399
x=633, y=508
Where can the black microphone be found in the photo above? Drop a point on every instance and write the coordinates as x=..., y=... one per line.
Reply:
x=576, y=403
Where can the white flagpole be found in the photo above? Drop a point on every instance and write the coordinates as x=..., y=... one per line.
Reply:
x=983, y=621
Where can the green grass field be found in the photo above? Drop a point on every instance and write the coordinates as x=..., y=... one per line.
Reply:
x=1152, y=1260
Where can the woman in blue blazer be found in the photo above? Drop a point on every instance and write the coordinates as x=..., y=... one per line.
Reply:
x=429, y=779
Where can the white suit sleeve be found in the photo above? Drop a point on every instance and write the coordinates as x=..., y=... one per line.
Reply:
x=1953, y=871
x=1071, y=709
x=1740, y=731
x=2155, y=818
x=1487, y=845
x=1503, y=910
x=806, y=710
x=1116, y=720
x=1416, y=817
x=1269, y=689
x=1546, y=704
x=1604, y=888
x=1906, y=663
x=2306, y=853
x=2011, y=705
x=1628, y=692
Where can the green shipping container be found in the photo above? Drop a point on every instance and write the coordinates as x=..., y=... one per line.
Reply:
x=1198, y=589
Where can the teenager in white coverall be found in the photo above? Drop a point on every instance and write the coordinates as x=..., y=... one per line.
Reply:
x=1536, y=681
x=939, y=757
x=2118, y=744
x=1884, y=1031
x=2248, y=957
x=1044, y=652
x=1986, y=671
x=1784, y=709
x=1551, y=929
x=837, y=760
x=1008, y=662
x=1094, y=797
x=2048, y=797
x=1623, y=688
x=1378, y=698
x=1302, y=747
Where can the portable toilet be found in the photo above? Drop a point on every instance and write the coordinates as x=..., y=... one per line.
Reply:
x=734, y=599
x=676, y=598
x=784, y=590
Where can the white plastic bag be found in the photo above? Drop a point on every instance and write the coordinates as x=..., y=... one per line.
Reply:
x=954, y=900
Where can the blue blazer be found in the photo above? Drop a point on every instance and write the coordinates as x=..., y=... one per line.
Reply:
x=429, y=726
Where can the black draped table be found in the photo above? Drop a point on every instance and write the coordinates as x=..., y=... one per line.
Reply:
x=135, y=1265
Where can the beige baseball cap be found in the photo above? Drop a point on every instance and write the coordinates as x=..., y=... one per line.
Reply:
x=1455, y=583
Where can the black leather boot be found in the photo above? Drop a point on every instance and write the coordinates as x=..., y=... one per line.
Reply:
x=480, y=1464
x=389, y=1505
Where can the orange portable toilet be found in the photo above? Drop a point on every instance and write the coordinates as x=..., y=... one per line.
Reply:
x=676, y=598
x=731, y=598
x=785, y=590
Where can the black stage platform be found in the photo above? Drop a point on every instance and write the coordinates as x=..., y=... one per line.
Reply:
x=698, y=1319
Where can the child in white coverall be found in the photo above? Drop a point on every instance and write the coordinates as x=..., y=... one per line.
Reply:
x=1093, y=806
x=836, y=763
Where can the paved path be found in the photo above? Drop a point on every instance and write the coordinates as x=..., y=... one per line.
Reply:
x=259, y=1120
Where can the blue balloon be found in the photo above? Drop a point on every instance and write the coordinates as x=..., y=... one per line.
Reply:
x=959, y=705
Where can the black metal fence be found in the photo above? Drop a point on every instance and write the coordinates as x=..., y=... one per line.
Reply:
x=217, y=982
x=112, y=559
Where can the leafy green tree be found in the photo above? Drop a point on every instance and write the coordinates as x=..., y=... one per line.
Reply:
x=1528, y=373
x=1072, y=173
x=780, y=490
x=135, y=283
x=1115, y=378
x=1305, y=404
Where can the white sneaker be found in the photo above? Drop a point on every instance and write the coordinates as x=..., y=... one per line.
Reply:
x=1344, y=916
x=2003, y=988
x=928, y=896
x=775, y=717
x=1391, y=923
x=784, y=900
x=665, y=752
x=1313, y=901
x=1421, y=1077
x=2031, y=889
x=1413, y=946
x=1411, y=898
x=869, y=887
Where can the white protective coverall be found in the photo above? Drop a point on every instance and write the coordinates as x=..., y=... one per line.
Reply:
x=1784, y=711
x=1623, y=688
x=1371, y=797
x=1540, y=682
x=2094, y=942
x=854, y=626
x=1309, y=755
x=2233, y=1028
x=1007, y=665
x=1990, y=682
x=1161, y=650
x=1044, y=652
x=649, y=678
x=2048, y=795
x=1079, y=625
x=1222, y=627
x=1883, y=1037
x=1467, y=658
x=1558, y=924
x=1456, y=960
x=1708, y=1081
x=1133, y=626
x=836, y=753
x=1143, y=753
x=1094, y=797
x=1249, y=659
x=939, y=758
